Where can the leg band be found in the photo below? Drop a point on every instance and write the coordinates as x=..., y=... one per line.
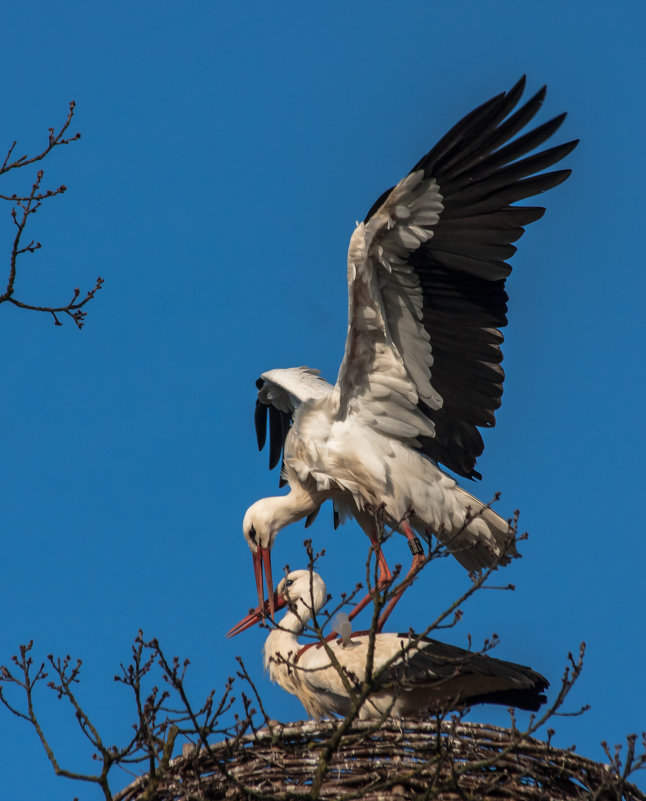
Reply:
x=415, y=546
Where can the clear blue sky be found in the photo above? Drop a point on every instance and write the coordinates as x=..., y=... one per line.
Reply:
x=227, y=151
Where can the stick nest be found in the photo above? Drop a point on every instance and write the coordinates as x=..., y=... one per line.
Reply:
x=448, y=760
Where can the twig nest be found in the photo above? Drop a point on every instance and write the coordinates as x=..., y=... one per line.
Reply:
x=447, y=760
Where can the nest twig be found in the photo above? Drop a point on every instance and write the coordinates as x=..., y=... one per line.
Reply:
x=449, y=760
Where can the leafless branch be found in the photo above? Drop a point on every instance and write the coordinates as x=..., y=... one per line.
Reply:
x=157, y=724
x=23, y=207
x=442, y=757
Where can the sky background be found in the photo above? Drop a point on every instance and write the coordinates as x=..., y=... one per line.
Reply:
x=227, y=151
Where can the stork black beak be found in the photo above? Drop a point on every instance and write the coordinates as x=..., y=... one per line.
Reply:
x=259, y=613
x=262, y=559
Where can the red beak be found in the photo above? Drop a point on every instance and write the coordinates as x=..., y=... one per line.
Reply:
x=259, y=613
x=262, y=559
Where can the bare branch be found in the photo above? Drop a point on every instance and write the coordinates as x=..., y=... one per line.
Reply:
x=23, y=207
x=441, y=757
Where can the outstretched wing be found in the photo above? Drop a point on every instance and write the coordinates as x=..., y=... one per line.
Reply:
x=426, y=275
x=280, y=392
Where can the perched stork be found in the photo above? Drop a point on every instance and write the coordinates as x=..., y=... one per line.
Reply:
x=422, y=676
x=421, y=371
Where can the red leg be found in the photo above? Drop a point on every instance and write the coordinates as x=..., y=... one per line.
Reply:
x=418, y=562
x=383, y=580
x=384, y=571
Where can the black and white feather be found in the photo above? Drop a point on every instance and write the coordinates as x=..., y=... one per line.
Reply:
x=413, y=676
x=421, y=372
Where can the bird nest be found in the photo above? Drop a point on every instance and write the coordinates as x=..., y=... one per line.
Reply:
x=398, y=759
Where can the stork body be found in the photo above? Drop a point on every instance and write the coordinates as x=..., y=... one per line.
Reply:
x=420, y=678
x=359, y=467
x=421, y=371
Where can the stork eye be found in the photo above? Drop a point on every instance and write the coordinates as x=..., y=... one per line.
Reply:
x=252, y=535
x=289, y=582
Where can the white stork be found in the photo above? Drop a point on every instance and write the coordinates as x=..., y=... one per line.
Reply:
x=421, y=370
x=423, y=676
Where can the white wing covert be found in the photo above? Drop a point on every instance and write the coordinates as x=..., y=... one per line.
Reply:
x=280, y=392
x=388, y=352
x=426, y=282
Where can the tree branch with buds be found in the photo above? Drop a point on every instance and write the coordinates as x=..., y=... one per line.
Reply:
x=439, y=757
x=23, y=207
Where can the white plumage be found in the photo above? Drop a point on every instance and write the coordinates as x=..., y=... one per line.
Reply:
x=421, y=371
x=412, y=678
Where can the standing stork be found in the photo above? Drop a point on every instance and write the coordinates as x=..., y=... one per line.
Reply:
x=413, y=676
x=421, y=371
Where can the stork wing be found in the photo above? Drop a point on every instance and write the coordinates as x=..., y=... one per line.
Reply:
x=280, y=392
x=473, y=677
x=434, y=660
x=426, y=275
x=450, y=673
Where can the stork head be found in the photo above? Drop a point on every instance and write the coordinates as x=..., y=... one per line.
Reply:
x=303, y=591
x=259, y=528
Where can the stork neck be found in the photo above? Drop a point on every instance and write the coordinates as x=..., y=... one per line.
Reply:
x=283, y=640
x=293, y=623
x=297, y=504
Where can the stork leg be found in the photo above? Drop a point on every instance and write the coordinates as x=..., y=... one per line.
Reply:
x=418, y=562
x=383, y=580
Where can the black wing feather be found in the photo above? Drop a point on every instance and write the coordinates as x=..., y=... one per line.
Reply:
x=481, y=170
x=260, y=420
x=469, y=672
x=279, y=425
x=276, y=438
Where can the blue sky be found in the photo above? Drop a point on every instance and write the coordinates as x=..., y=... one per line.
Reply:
x=227, y=151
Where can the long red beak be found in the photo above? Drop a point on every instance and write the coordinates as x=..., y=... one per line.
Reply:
x=262, y=559
x=259, y=613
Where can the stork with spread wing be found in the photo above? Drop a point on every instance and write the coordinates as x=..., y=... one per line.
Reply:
x=421, y=371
